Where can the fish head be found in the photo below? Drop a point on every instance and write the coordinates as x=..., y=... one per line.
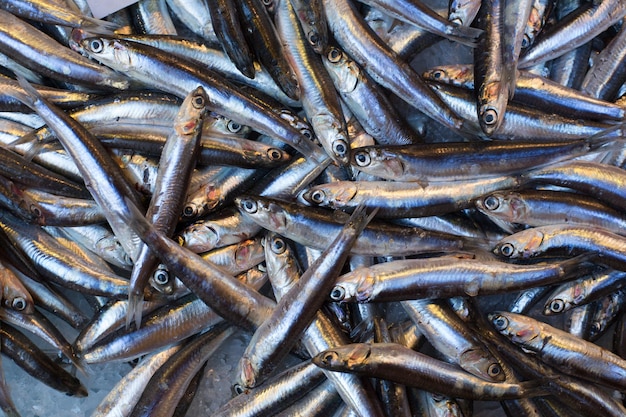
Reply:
x=248, y=252
x=331, y=195
x=162, y=282
x=108, y=51
x=14, y=295
x=354, y=286
x=481, y=364
x=375, y=161
x=520, y=329
x=333, y=136
x=113, y=251
x=199, y=237
x=350, y=357
x=263, y=211
x=505, y=206
x=188, y=121
x=524, y=244
x=459, y=75
x=493, y=98
x=344, y=72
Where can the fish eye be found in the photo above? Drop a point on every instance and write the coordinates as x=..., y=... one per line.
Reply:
x=500, y=323
x=328, y=358
x=494, y=369
x=35, y=210
x=96, y=45
x=238, y=389
x=507, y=249
x=340, y=147
x=338, y=293
x=262, y=267
x=190, y=210
x=198, y=102
x=525, y=42
x=313, y=38
x=491, y=203
x=317, y=196
x=490, y=117
x=307, y=133
x=249, y=206
x=362, y=158
x=438, y=74
x=18, y=304
x=334, y=55
x=278, y=245
x=233, y=127
x=161, y=276
x=274, y=154
x=557, y=305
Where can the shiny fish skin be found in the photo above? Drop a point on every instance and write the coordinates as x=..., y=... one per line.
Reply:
x=369, y=51
x=542, y=208
x=584, y=173
x=404, y=199
x=457, y=161
x=446, y=277
x=584, y=24
x=185, y=75
x=448, y=334
x=40, y=52
x=537, y=91
x=567, y=353
x=320, y=100
x=311, y=227
x=33, y=360
x=582, y=291
x=176, y=164
x=403, y=365
x=297, y=307
x=573, y=239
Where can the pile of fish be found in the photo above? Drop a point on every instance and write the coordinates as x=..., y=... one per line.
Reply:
x=394, y=242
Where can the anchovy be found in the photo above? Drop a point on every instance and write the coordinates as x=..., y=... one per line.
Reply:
x=447, y=277
x=122, y=398
x=582, y=291
x=310, y=227
x=584, y=24
x=398, y=363
x=175, y=167
x=569, y=354
x=39, y=52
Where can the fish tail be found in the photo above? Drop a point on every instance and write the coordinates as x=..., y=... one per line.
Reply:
x=465, y=35
x=98, y=26
x=134, y=312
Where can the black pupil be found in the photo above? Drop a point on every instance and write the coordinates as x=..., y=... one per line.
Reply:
x=314, y=38
x=489, y=118
x=95, y=45
x=248, y=205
